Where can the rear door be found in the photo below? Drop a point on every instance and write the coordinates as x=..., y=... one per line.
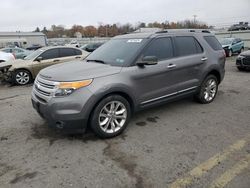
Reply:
x=49, y=57
x=190, y=58
x=69, y=54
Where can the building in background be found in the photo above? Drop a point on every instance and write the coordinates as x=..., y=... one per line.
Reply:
x=22, y=39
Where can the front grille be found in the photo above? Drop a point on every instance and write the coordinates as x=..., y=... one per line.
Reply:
x=44, y=89
x=246, y=61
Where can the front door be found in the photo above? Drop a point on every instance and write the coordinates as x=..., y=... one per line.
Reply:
x=48, y=58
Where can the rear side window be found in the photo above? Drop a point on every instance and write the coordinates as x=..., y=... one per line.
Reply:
x=8, y=50
x=161, y=48
x=186, y=45
x=66, y=52
x=213, y=42
x=78, y=52
x=50, y=54
x=238, y=40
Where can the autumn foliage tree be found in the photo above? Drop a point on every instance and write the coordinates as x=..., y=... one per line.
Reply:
x=110, y=30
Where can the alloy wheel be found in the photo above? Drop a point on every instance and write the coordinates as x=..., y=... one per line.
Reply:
x=22, y=78
x=112, y=117
x=210, y=90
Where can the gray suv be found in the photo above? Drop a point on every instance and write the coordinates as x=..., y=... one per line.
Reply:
x=127, y=74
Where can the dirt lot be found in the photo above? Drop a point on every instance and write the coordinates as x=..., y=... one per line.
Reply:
x=182, y=144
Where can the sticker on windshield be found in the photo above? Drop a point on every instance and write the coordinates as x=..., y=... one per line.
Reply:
x=119, y=60
x=134, y=40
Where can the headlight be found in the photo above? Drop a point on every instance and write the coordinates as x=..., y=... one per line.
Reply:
x=67, y=88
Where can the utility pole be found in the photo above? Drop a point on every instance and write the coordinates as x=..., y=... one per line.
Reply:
x=194, y=18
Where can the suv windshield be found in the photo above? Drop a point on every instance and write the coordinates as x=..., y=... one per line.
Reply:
x=117, y=52
x=226, y=41
x=34, y=54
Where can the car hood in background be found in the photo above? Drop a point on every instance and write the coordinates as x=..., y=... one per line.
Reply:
x=225, y=46
x=77, y=70
x=246, y=53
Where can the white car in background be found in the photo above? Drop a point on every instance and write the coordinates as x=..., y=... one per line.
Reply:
x=4, y=57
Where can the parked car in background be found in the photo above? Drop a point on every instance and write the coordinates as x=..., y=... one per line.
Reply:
x=5, y=57
x=232, y=45
x=129, y=73
x=22, y=72
x=19, y=53
x=92, y=46
x=243, y=61
x=34, y=47
x=73, y=43
x=239, y=26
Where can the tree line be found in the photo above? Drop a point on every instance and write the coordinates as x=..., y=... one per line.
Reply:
x=111, y=30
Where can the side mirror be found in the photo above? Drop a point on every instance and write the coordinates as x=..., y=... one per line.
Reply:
x=39, y=59
x=148, y=60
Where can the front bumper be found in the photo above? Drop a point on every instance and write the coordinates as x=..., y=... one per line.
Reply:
x=243, y=62
x=65, y=113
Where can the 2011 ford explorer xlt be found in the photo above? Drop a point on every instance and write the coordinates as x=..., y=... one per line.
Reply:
x=127, y=74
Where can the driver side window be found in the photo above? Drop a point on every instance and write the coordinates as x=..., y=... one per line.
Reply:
x=50, y=54
x=161, y=48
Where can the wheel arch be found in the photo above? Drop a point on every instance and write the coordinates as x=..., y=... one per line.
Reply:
x=215, y=73
x=124, y=94
x=25, y=69
x=19, y=69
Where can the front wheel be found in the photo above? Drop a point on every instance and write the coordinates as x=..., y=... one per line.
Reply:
x=110, y=117
x=22, y=77
x=208, y=90
x=230, y=53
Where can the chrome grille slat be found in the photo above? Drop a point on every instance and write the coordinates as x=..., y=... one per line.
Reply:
x=45, y=85
x=44, y=89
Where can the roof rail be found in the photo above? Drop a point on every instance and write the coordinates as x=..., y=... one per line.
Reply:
x=184, y=30
x=163, y=31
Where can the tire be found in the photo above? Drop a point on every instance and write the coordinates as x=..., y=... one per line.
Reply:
x=103, y=121
x=241, y=50
x=241, y=68
x=208, y=90
x=21, y=77
x=230, y=53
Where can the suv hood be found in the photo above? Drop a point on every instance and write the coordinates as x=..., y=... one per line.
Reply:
x=77, y=70
x=246, y=53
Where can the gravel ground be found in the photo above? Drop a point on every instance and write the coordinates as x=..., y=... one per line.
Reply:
x=159, y=147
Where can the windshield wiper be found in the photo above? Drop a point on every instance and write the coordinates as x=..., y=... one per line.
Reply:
x=96, y=60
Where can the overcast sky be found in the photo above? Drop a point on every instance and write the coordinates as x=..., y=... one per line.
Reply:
x=26, y=15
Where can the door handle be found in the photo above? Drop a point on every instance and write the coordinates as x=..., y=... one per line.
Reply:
x=204, y=59
x=77, y=57
x=170, y=66
x=56, y=60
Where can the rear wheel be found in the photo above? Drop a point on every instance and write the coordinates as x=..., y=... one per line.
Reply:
x=110, y=117
x=22, y=77
x=208, y=90
x=241, y=50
